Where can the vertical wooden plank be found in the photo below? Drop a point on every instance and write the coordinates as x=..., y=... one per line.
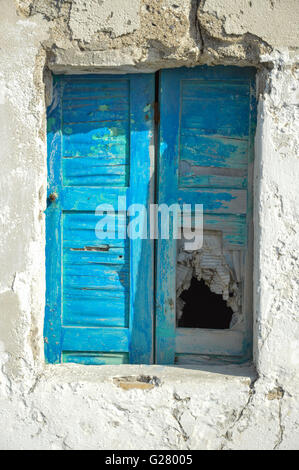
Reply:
x=62, y=333
x=142, y=88
x=204, y=126
x=167, y=193
x=52, y=325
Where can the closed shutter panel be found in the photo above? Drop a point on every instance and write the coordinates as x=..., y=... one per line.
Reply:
x=99, y=143
x=206, y=137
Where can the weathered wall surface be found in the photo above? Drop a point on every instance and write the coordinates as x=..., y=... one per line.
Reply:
x=161, y=33
x=86, y=407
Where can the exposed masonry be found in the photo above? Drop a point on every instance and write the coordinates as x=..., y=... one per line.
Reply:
x=156, y=33
x=142, y=382
x=74, y=407
x=220, y=269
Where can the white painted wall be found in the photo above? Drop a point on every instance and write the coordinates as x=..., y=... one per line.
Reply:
x=78, y=407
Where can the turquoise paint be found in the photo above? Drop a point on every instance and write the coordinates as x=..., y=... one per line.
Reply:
x=95, y=358
x=98, y=150
x=99, y=304
x=205, y=126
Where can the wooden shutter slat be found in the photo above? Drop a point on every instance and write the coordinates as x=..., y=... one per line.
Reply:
x=100, y=133
x=206, y=133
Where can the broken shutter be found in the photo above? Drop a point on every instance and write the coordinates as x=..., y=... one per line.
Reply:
x=98, y=310
x=206, y=142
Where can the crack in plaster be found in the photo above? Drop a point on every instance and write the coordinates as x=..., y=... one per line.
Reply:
x=198, y=27
x=178, y=413
x=281, y=427
x=278, y=393
x=228, y=436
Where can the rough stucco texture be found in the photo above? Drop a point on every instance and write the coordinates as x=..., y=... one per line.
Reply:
x=227, y=407
x=273, y=21
x=159, y=33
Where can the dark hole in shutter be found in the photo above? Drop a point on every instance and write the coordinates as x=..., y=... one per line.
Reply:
x=203, y=308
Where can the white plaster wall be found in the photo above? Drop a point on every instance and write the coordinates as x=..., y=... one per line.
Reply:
x=77, y=407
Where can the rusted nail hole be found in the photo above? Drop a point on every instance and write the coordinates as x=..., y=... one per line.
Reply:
x=53, y=197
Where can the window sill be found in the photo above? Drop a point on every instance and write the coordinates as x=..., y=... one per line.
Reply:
x=155, y=375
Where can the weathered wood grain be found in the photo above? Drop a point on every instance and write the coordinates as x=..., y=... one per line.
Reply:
x=205, y=153
x=100, y=131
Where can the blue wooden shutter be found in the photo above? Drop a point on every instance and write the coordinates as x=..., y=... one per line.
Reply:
x=99, y=304
x=206, y=140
